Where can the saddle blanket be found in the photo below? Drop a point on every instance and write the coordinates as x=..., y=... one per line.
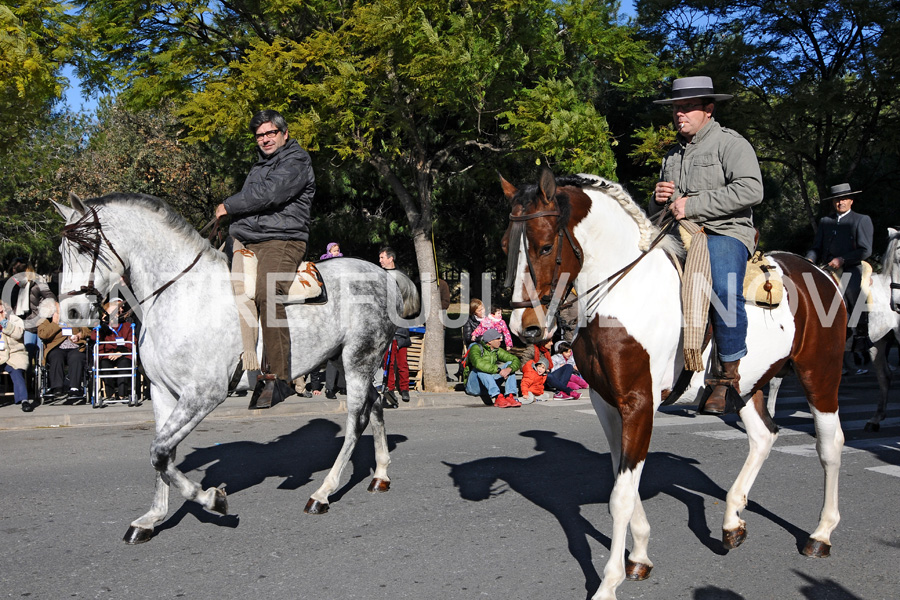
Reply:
x=307, y=285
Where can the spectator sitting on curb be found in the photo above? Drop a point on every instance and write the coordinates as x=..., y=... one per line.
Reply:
x=534, y=374
x=562, y=372
x=487, y=365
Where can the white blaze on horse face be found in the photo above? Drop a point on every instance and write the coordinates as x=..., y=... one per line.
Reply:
x=523, y=287
x=515, y=319
x=78, y=309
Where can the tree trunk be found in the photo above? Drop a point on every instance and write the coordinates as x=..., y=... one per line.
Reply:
x=434, y=369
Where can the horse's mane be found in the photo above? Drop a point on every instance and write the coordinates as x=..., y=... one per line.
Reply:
x=167, y=216
x=648, y=231
x=891, y=267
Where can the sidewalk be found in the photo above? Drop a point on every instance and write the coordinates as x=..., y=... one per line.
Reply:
x=67, y=415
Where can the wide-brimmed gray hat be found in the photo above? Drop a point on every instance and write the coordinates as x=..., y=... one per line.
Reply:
x=841, y=190
x=687, y=88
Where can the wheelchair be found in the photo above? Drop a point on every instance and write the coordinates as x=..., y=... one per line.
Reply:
x=100, y=395
x=41, y=381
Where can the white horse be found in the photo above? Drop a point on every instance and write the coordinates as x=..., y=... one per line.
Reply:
x=190, y=342
x=884, y=319
x=585, y=229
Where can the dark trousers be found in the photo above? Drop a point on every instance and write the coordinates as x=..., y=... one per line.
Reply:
x=280, y=257
x=57, y=361
x=334, y=376
x=559, y=379
x=122, y=381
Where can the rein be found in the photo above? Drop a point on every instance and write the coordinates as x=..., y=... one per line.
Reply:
x=87, y=234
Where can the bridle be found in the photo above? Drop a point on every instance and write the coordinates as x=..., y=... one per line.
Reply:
x=87, y=235
x=517, y=238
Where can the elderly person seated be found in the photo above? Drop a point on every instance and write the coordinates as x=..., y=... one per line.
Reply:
x=13, y=357
x=488, y=365
x=64, y=347
x=115, y=339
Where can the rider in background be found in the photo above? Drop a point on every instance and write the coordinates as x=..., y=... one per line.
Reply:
x=270, y=216
x=712, y=177
x=843, y=241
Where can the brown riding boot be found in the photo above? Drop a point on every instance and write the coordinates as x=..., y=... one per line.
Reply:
x=715, y=402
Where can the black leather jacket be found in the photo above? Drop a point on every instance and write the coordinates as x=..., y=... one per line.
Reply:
x=274, y=203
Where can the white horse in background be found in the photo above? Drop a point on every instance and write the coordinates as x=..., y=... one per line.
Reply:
x=884, y=319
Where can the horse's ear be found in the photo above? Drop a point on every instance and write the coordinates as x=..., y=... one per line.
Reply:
x=65, y=212
x=76, y=203
x=509, y=190
x=548, y=185
x=892, y=233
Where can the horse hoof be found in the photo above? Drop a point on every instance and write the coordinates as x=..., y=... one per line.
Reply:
x=379, y=485
x=137, y=535
x=635, y=571
x=873, y=427
x=220, y=502
x=734, y=538
x=817, y=549
x=314, y=507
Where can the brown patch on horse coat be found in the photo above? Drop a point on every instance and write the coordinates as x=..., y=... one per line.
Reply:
x=817, y=351
x=618, y=368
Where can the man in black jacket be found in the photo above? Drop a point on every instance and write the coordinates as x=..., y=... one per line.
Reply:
x=843, y=241
x=270, y=216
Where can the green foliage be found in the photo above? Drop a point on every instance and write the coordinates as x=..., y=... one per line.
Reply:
x=143, y=152
x=815, y=87
x=552, y=120
x=31, y=33
x=28, y=224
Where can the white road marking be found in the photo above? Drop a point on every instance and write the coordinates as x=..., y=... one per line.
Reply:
x=892, y=470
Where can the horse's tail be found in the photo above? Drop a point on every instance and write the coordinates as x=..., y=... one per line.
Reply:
x=408, y=293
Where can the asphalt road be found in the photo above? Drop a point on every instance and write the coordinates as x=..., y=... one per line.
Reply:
x=485, y=503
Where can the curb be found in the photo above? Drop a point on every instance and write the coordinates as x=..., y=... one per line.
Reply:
x=234, y=407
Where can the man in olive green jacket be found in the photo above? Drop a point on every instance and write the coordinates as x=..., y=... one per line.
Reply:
x=712, y=177
x=486, y=365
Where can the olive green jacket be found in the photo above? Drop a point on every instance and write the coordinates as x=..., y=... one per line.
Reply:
x=719, y=173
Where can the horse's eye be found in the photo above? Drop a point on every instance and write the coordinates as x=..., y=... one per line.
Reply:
x=546, y=249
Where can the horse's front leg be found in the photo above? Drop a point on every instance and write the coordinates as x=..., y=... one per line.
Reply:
x=141, y=529
x=177, y=422
x=359, y=407
x=761, y=439
x=630, y=436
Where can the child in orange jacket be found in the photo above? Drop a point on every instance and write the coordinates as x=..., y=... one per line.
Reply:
x=534, y=374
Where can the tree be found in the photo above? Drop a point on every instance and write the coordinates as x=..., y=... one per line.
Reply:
x=420, y=92
x=815, y=86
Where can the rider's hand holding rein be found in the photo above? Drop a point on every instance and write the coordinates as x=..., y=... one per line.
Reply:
x=664, y=192
x=221, y=211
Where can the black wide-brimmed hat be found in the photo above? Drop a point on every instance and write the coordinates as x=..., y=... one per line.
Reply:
x=687, y=88
x=841, y=190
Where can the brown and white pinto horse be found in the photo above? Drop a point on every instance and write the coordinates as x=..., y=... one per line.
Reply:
x=584, y=231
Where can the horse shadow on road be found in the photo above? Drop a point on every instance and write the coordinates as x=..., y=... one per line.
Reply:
x=565, y=475
x=294, y=458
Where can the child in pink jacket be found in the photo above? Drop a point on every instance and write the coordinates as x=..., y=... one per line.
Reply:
x=494, y=321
